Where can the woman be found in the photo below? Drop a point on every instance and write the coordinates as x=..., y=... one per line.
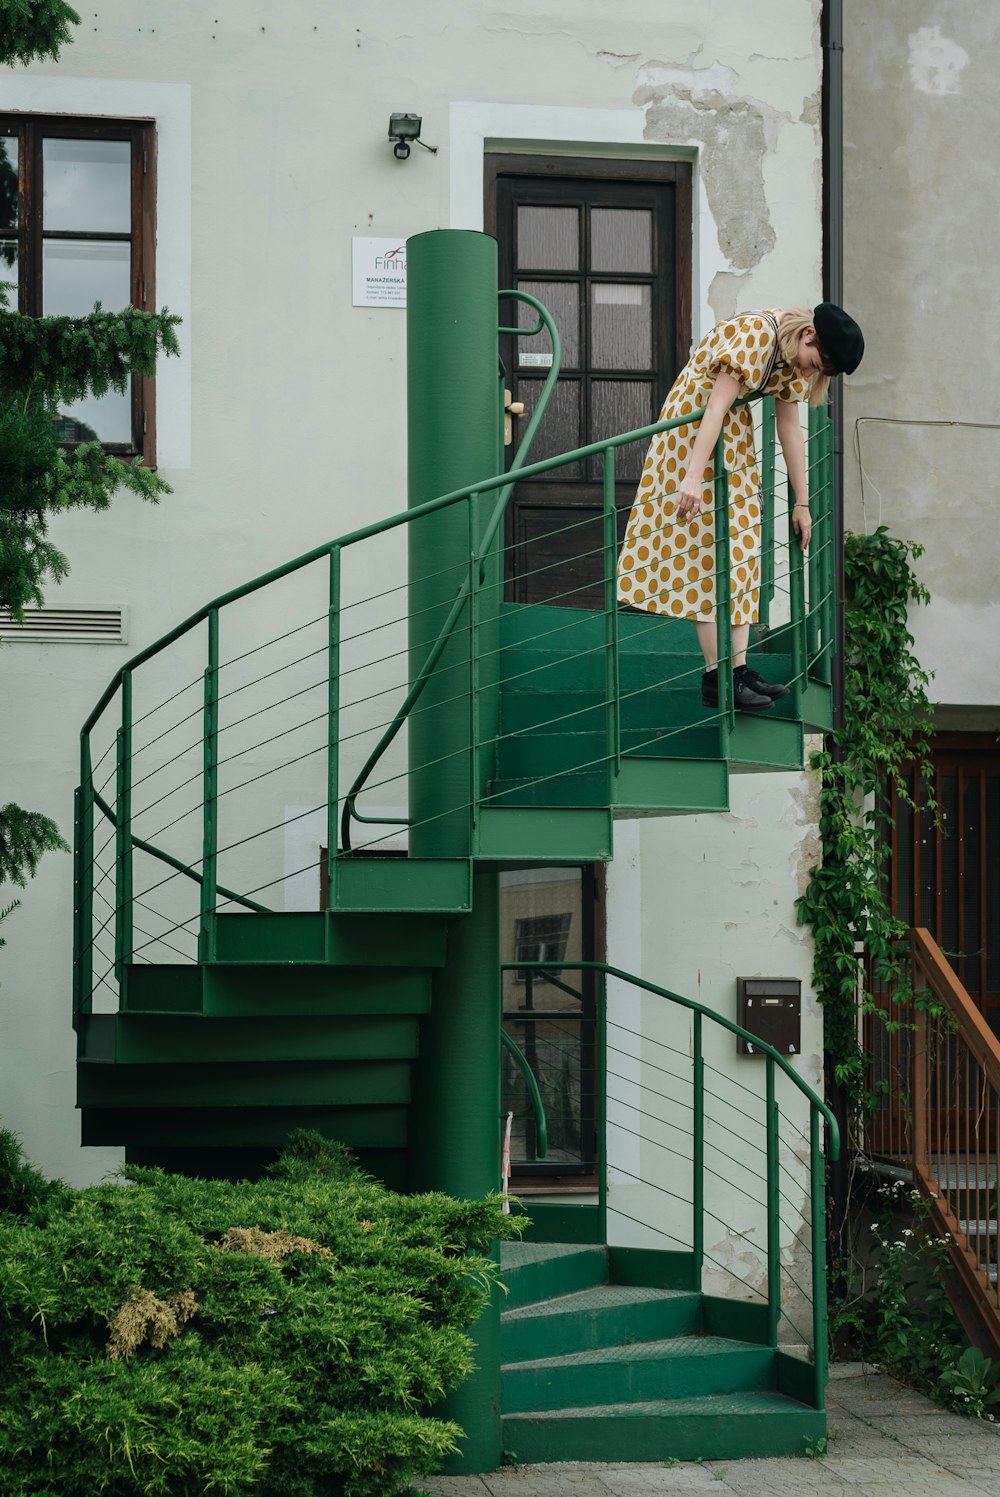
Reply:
x=667, y=562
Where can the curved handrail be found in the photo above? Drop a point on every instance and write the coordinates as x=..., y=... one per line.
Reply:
x=350, y=812
x=542, y=1143
x=760, y=1046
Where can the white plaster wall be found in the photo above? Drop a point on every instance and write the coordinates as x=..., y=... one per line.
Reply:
x=282, y=425
x=922, y=115
x=703, y=900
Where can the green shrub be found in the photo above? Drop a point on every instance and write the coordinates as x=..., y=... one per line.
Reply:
x=278, y=1338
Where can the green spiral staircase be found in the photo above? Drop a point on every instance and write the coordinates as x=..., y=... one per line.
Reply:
x=292, y=815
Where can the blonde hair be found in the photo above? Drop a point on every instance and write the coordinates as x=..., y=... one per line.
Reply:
x=791, y=325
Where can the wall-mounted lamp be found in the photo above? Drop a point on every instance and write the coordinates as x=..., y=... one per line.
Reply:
x=402, y=129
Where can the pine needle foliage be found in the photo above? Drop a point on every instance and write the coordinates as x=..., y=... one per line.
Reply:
x=143, y=1355
x=45, y=362
x=887, y=723
x=31, y=29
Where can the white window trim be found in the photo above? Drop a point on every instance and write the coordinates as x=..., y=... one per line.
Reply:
x=169, y=106
x=478, y=127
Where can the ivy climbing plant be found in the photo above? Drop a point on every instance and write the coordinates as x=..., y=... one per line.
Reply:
x=885, y=731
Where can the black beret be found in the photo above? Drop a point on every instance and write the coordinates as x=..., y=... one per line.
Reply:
x=840, y=337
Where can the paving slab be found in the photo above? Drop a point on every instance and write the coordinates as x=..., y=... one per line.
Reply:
x=884, y=1440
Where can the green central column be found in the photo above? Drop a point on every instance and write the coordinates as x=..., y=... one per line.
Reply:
x=453, y=440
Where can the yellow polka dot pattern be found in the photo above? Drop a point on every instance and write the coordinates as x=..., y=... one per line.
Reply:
x=668, y=567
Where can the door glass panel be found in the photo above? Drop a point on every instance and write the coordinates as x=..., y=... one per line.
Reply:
x=621, y=240
x=548, y=238
x=617, y=406
x=562, y=298
x=8, y=182
x=549, y=1016
x=561, y=425
x=87, y=185
x=621, y=328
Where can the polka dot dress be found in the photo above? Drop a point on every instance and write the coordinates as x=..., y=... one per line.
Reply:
x=667, y=567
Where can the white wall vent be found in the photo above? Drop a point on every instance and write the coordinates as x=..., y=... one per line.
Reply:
x=107, y=625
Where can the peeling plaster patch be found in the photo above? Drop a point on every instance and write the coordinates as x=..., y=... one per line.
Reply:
x=618, y=59
x=935, y=62
x=812, y=109
x=686, y=105
x=725, y=295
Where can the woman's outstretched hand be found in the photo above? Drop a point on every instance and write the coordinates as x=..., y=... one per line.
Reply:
x=690, y=498
x=802, y=524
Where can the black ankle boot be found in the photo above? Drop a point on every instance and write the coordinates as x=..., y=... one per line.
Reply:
x=745, y=698
x=746, y=694
x=772, y=689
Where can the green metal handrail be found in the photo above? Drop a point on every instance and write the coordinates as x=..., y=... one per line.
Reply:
x=811, y=642
x=774, y=1062
x=350, y=812
x=541, y=1127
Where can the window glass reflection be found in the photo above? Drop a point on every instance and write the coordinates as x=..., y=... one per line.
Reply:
x=108, y=419
x=87, y=185
x=9, y=272
x=76, y=273
x=8, y=182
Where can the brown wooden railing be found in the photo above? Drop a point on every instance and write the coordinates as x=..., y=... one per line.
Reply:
x=941, y=1119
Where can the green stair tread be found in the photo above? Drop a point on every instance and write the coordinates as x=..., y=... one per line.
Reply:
x=601, y=1297
x=751, y=1403
x=517, y=1254
x=640, y=1351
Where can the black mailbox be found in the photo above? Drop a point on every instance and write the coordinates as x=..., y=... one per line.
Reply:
x=771, y=1009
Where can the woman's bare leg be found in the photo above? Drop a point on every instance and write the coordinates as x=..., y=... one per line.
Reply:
x=709, y=643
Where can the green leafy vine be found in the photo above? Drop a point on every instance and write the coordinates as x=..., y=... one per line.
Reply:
x=885, y=731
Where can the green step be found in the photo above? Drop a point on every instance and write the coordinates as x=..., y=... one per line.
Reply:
x=680, y=1367
x=334, y=991
x=252, y=1084
x=544, y=834
x=584, y=790
x=646, y=786
x=761, y=740
x=430, y=885
x=609, y=1314
x=534, y=1271
x=718, y=1427
x=243, y=1128
x=261, y=991
x=390, y=1166
x=144, y=1039
x=336, y=940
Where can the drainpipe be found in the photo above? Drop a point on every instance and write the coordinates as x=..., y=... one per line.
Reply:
x=832, y=32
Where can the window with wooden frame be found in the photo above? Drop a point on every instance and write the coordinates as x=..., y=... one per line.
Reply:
x=77, y=226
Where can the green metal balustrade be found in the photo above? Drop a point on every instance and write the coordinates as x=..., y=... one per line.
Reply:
x=584, y=651
x=293, y=809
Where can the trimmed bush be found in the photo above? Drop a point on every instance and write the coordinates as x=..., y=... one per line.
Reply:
x=279, y=1338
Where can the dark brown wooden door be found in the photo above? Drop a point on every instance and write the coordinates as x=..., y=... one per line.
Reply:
x=946, y=870
x=944, y=875
x=606, y=247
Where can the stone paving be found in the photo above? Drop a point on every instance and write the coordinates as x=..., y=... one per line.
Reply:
x=884, y=1441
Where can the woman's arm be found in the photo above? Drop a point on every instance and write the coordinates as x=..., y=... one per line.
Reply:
x=786, y=415
x=690, y=492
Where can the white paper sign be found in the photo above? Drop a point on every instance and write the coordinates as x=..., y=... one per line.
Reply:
x=379, y=267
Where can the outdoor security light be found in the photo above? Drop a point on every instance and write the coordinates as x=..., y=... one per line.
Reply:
x=402, y=129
